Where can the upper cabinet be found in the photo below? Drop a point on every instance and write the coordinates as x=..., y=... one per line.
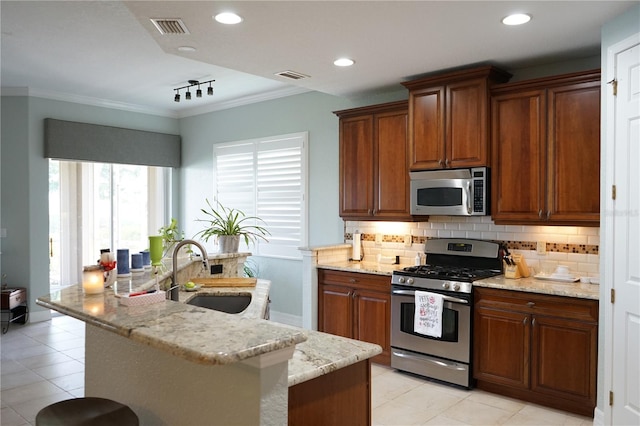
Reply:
x=374, y=175
x=546, y=150
x=449, y=118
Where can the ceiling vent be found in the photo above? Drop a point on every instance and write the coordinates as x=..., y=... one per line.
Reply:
x=292, y=75
x=170, y=26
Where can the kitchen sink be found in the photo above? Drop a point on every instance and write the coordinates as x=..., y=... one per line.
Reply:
x=231, y=304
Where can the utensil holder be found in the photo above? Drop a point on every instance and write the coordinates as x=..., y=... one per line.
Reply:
x=519, y=270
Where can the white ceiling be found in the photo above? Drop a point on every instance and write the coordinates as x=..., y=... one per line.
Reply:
x=109, y=53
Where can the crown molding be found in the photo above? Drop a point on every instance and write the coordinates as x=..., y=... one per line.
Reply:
x=106, y=103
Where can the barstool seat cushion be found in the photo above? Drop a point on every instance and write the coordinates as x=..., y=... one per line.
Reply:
x=87, y=411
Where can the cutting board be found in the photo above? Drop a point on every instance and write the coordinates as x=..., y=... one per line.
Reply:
x=225, y=282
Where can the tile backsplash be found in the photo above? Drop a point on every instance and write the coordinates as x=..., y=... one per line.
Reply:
x=574, y=246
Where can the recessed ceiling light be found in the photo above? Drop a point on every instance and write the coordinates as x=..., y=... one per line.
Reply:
x=186, y=49
x=343, y=62
x=228, y=18
x=516, y=19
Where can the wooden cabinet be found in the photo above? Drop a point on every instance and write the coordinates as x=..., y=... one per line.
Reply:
x=449, y=118
x=357, y=306
x=342, y=397
x=374, y=178
x=546, y=151
x=539, y=348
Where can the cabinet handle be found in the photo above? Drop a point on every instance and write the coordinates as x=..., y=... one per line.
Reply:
x=533, y=322
x=440, y=163
x=370, y=212
x=540, y=214
x=531, y=304
x=548, y=214
x=353, y=280
x=525, y=320
x=447, y=162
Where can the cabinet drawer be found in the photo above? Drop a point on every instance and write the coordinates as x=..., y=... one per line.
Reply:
x=12, y=297
x=355, y=280
x=538, y=304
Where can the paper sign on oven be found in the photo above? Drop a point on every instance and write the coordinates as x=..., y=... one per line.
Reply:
x=428, y=315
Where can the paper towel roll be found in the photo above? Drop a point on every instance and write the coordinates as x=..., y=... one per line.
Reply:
x=356, y=247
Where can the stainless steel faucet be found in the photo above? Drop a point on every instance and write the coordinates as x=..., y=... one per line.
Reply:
x=174, y=290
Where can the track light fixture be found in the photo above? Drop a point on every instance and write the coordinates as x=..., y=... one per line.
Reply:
x=191, y=84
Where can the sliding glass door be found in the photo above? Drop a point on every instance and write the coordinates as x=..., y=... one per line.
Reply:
x=93, y=206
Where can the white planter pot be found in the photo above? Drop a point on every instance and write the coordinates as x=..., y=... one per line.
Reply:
x=228, y=243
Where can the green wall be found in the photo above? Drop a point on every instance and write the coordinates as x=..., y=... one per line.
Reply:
x=25, y=182
x=310, y=112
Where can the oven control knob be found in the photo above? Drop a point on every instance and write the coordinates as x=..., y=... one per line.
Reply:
x=401, y=280
x=445, y=286
x=409, y=280
x=456, y=287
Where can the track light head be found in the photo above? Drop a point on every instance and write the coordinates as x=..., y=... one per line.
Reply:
x=191, y=84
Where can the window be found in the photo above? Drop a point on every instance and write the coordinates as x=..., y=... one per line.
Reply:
x=266, y=177
x=98, y=205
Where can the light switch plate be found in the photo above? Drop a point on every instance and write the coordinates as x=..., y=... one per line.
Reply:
x=407, y=240
x=541, y=247
x=378, y=239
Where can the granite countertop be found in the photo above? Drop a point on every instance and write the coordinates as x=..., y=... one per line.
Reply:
x=530, y=284
x=533, y=285
x=195, y=334
x=363, y=267
x=210, y=337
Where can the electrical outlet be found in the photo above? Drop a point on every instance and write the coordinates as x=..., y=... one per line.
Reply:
x=215, y=269
x=541, y=247
x=378, y=239
x=407, y=240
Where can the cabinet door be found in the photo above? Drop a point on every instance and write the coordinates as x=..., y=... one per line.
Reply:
x=574, y=153
x=335, y=311
x=519, y=156
x=427, y=127
x=501, y=347
x=372, y=320
x=564, y=360
x=466, y=137
x=356, y=166
x=391, y=165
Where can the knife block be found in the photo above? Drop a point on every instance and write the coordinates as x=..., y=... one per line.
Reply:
x=519, y=270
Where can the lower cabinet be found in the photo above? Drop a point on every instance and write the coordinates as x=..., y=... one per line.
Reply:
x=342, y=397
x=357, y=306
x=538, y=348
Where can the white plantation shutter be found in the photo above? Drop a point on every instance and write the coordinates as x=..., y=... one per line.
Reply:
x=266, y=178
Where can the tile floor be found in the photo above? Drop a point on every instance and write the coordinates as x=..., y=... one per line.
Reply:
x=43, y=363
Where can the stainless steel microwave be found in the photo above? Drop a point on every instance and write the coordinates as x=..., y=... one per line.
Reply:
x=451, y=192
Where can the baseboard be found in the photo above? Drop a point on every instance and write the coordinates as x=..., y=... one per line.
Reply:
x=283, y=318
x=598, y=417
x=40, y=316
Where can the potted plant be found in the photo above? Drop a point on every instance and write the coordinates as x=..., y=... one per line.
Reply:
x=229, y=225
x=170, y=236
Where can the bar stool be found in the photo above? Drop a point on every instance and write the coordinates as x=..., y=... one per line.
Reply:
x=87, y=411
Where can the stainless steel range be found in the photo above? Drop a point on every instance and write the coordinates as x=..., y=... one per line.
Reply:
x=452, y=265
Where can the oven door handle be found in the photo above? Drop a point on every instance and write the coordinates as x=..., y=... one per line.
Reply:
x=444, y=297
x=449, y=365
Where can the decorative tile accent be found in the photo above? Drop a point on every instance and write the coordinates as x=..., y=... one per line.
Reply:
x=511, y=245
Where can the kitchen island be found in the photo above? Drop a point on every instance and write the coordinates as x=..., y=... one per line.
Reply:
x=174, y=363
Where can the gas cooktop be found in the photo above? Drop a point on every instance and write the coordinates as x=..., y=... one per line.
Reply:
x=448, y=272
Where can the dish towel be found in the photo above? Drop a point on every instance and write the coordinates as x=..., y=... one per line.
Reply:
x=428, y=316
